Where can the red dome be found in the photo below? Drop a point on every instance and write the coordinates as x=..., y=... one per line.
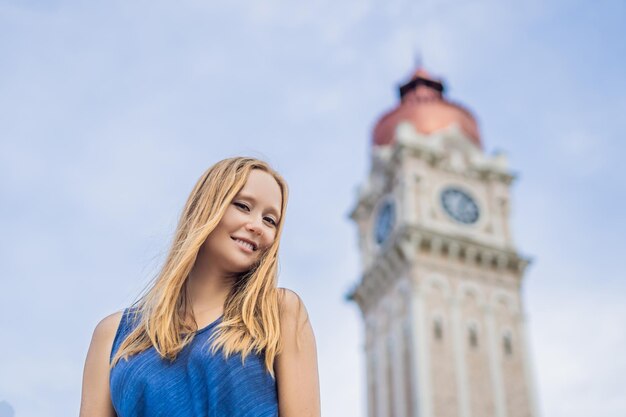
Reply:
x=423, y=105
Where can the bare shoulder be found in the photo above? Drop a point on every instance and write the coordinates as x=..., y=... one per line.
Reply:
x=109, y=324
x=295, y=325
x=291, y=305
x=95, y=399
x=105, y=330
x=296, y=364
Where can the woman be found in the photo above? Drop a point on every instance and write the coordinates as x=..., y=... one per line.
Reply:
x=213, y=336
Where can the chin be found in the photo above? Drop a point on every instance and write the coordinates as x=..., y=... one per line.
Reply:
x=241, y=267
x=239, y=263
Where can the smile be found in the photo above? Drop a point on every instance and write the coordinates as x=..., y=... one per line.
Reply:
x=245, y=244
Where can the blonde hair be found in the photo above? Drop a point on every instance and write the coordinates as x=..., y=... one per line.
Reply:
x=251, y=310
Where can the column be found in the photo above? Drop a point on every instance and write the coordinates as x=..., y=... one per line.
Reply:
x=398, y=341
x=459, y=358
x=530, y=381
x=370, y=363
x=420, y=358
x=382, y=385
x=494, y=364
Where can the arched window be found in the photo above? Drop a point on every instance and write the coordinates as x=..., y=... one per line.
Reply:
x=472, y=335
x=507, y=343
x=438, y=328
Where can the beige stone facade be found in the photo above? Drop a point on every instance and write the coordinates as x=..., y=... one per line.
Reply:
x=440, y=297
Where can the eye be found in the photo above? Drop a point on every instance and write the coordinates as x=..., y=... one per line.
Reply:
x=270, y=221
x=242, y=206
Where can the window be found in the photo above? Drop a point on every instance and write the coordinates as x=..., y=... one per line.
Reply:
x=473, y=336
x=438, y=328
x=507, y=343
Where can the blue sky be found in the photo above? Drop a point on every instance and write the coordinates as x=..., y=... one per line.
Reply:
x=110, y=111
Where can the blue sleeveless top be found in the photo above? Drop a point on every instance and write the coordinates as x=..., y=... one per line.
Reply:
x=195, y=384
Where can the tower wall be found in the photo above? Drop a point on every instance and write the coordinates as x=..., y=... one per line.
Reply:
x=440, y=291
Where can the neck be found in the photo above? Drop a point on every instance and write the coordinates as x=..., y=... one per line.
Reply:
x=207, y=287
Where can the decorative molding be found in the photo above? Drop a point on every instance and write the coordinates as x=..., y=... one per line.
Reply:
x=471, y=288
x=432, y=149
x=438, y=281
x=510, y=302
x=406, y=242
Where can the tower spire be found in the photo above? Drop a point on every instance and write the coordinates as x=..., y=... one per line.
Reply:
x=418, y=61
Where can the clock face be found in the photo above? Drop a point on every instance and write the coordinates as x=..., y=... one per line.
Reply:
x=385, y=219
x=459, y=205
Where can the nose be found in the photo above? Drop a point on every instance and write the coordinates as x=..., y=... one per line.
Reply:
x=254, y=227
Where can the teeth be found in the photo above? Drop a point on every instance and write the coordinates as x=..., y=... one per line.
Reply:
x=246, y=244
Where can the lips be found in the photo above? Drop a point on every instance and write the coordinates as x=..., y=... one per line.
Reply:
x=245, y=242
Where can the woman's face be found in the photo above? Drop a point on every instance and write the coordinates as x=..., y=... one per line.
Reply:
x=248, y=227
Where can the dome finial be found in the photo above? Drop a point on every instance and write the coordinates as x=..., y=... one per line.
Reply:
x=421, y=77
x=417, y=59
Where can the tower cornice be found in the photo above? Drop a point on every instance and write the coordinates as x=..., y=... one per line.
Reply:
x=410, y=241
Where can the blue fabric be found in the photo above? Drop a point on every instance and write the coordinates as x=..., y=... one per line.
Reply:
x=196, y=384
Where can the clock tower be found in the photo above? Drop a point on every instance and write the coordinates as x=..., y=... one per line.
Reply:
x=440, y=290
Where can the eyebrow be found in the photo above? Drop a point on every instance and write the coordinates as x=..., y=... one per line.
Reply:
x=271, y=209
